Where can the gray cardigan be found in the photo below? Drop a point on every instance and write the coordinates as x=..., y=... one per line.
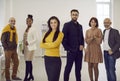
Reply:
x=114, y=42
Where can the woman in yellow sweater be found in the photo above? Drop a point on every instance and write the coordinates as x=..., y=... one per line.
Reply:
x=51, y=44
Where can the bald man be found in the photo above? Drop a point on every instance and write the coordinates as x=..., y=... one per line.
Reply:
x=111, y=45
x=9, y=41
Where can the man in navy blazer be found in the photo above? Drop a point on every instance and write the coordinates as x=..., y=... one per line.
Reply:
x=111, y=45
x=73, y=43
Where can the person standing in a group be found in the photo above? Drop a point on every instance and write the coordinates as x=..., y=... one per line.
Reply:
x=51, y=43
x=29, y=46
x=73, y=43
x=111, y=45
x=9, y=41
x=93, y=52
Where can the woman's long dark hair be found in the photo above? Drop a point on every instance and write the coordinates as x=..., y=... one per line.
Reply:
x=50, y=29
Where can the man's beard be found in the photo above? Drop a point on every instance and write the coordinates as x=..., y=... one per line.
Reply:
x=74, y=20
x=106, y=26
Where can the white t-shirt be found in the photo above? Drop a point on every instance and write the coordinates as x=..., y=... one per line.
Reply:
x=105, y=42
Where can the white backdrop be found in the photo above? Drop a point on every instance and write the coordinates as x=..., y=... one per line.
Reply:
x=42, y=10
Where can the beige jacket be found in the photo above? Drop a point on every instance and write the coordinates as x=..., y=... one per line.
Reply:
x=32, y=39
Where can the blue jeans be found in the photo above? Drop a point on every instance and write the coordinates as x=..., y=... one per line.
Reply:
x=110, y=66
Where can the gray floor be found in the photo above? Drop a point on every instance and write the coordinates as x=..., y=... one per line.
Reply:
x=40, y=74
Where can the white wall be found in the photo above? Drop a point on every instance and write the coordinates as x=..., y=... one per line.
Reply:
x=42, y=10
x=2, y=13
x=116, y=13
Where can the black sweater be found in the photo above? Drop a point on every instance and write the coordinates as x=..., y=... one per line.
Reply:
x=6, y=43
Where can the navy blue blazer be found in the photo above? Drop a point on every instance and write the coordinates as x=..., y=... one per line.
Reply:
x=73, y=36
x=114, y=42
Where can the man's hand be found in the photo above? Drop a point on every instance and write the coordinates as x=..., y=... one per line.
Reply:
x=110, y=52
x=81, y=47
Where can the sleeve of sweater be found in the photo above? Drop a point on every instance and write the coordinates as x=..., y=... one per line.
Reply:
x=99, y=37
x=88, y=40
x=53, y=44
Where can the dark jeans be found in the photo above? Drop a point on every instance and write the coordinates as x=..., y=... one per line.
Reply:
x=53, y=68
x=77, y=58
x=110, y=66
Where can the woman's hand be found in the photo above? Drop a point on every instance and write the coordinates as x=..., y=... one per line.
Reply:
x=26, y=43
x=22, y=51
x=95, y=37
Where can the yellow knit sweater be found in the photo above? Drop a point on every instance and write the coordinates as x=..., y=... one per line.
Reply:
x=52, y=48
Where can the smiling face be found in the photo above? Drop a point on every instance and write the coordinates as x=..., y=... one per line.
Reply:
x=53, y=24
x=107, y=23
x=93, y=23
x=74, y=15
x=12, y=22
x=29, y=22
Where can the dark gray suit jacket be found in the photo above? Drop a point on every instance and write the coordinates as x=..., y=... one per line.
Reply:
x=114, y=42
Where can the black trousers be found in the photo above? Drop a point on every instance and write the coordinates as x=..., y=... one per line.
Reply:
x=53, y=68
x=71, y=58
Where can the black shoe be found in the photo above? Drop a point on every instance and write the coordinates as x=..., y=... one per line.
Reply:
x=30, y=78
x=8, y=80
x=25, y=79
x=16, y=78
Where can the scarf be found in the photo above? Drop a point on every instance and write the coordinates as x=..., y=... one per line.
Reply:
x=8, y=29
